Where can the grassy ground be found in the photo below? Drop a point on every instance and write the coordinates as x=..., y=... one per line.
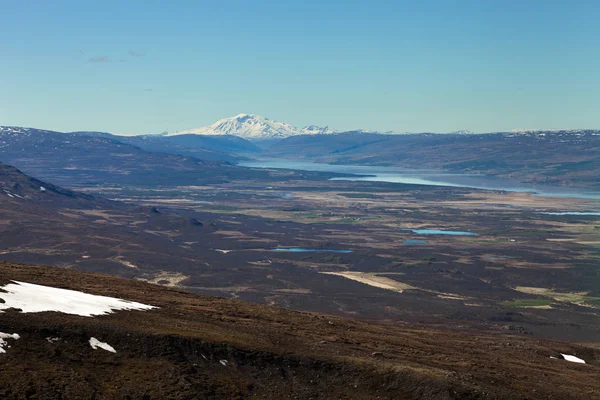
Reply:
x=527, y=303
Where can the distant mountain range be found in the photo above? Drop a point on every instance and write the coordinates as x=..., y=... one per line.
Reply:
x=70, y=159
x=554, y=157
x=543, y=157
x=255, y=127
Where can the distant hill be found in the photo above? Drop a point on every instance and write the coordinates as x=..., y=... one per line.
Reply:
x=68, y=159
x=205, y=147
x=550, y=157
x=46, y=224
x=560, y=157
x=18, y=186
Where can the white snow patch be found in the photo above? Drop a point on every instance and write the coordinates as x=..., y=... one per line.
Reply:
x=42, y=189
x=223, y=362
x=96, y=344
x=32, y=298
x=52, y=339
x=572, y=358
x=3, y=343
x=13, y=195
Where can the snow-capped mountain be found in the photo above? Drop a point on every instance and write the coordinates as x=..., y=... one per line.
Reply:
x=564, y=131
x=255, y=127
x=462, y=132
x=317, y=130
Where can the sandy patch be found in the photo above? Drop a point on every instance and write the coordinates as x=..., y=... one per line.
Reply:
x=373, y=279
x=294, y=291
x=174, y=278
x=578, y=298
x=126, y=263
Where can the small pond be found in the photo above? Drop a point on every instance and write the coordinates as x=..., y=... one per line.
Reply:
x=414, y=242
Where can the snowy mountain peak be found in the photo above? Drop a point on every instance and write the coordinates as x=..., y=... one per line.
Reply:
x=317, y=130
x=13, y=129
x=462, y=132
x=254, y=127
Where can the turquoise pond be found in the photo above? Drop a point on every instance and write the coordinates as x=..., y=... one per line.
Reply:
x=440, y=232
x=304, y=250
x=414, y=242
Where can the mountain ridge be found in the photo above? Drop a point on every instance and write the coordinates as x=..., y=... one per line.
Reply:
x=255, y=127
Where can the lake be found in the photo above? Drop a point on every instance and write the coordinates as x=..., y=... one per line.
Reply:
x=414, y=242
x=425, y=177
x=582, y=213
x=304, y=250
x=440, y=232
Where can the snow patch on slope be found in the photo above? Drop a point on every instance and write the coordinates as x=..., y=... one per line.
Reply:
x=96, y=344
x=31, y=298
x=572, y=358
x=3, y=343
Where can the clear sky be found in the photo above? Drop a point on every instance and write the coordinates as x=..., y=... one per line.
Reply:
x=131, y=67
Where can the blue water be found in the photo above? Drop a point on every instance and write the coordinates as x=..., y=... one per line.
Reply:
x=570, y=213
x=426, y=177
x=303, y=250
x=414, y=242
x=439, y=232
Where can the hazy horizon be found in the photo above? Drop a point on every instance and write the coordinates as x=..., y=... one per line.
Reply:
x=516, y=130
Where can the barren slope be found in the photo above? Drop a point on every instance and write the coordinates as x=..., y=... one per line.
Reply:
x=196, y=347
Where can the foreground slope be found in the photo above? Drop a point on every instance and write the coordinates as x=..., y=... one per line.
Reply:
x=196, y=347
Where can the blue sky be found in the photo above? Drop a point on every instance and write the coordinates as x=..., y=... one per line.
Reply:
x=133, y=67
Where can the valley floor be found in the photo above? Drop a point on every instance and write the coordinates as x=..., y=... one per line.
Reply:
x=372, y=250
